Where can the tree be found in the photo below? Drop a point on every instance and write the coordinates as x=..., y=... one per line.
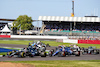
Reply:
x=24, y=22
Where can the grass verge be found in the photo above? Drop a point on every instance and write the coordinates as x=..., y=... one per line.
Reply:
x=3, y=53
x=19, y=42
x=53, y=43
x=62, y=63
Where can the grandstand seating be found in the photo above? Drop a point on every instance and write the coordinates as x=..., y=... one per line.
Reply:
x=74, y=31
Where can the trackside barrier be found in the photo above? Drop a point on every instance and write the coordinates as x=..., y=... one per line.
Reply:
x=89, y=41
x=5, y=36
x=39, y=37
x=70, y=41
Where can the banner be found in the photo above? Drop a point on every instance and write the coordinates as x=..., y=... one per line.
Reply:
x=4, y=36
x=89, y=41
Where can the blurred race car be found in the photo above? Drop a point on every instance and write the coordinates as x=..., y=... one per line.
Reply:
x=62, y=51
x=31, y=51
x=22, y=53
x=90, y=50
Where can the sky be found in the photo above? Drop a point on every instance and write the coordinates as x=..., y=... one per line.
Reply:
x=11, y=9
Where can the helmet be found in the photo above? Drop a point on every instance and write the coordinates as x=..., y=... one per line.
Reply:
x=33, y=44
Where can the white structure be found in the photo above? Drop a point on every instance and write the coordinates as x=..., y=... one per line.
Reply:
x=10, y=24
x=69, y=19
x=5, y=30
x=31, y=32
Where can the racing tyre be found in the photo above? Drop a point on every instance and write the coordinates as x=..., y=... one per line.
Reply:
x=43, y=54
x=22, y=54
x=84, y=52
x=9, y=54
x=97, y=51
x=61, y=54
x=77, y=53
x=50, y=53
x=52, y=50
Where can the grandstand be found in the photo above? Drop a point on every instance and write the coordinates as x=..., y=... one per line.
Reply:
x=79, y=27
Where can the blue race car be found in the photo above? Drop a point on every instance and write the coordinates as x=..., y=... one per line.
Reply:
x=63, y=51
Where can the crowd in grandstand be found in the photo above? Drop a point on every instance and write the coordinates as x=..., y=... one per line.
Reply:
x=78, y=27
x=88, y=27
x=57, y=27
x=85, y=38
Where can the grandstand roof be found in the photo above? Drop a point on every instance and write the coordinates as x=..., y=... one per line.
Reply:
x=12, y=20
x=69, y=19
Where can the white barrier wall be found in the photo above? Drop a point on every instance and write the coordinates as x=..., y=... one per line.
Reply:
x=39, y=37
x=65, y=38
x=70, y=41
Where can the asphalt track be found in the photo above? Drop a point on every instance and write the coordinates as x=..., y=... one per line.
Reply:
x=35, y=58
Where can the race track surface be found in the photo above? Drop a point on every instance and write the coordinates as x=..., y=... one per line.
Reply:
x=82, y=57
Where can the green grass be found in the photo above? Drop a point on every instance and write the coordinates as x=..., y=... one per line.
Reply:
x=62, y=63
x=52, y=43
x=3, y=53
x=19, y=42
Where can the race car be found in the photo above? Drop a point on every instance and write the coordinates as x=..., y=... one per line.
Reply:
x=31, y=51
x=90, y=50
x=22, y=53
x=41, y=49
x=62, y=51
x=39, y=43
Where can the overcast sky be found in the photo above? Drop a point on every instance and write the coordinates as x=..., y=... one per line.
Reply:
x=11, y=9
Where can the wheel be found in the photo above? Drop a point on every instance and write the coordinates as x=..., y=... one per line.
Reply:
x=9, y=54
x=22, y=54
x=77, y=53
x=52, y=50
x=43, y=54
x=50, y=53
x=84, y=52
x=93, y=52
x=97, y=51
x=61, y=54
x=67, y=53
